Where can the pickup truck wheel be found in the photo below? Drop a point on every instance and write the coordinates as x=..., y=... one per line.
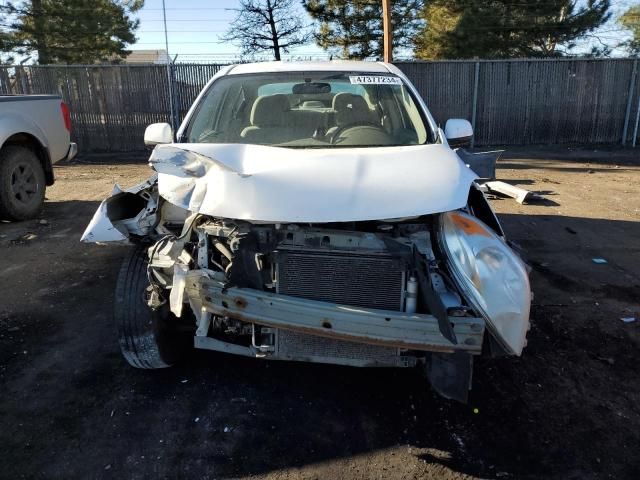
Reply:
x=148, y=338
x=22, y=183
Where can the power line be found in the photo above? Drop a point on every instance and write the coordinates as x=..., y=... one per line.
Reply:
x=495, y=17
x=471, y=28
x=180, y=31
x=528, y=3
x=178, y=43
x=214, y=20
x=189, y=8
x=139, y=31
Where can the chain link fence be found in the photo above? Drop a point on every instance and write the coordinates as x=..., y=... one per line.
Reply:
x=509, y=102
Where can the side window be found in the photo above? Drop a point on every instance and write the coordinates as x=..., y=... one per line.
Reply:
x=203, y=122
x=414, y=115
x=238, y=106
x=214, y=114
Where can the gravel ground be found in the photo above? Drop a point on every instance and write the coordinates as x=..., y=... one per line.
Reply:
x=70, y=407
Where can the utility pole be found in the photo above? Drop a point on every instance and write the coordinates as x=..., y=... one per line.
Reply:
x=169, y=75
x=388, y=33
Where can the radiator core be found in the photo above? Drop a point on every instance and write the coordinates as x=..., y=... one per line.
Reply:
x=351, y=278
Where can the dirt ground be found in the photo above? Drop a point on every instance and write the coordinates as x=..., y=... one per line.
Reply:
x=70, y=407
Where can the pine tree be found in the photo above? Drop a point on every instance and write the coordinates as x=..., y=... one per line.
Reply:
x=354, y=27
x=71, y=31
x=506, y=28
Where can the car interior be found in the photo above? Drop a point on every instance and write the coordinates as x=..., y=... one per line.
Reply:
x=309, y=114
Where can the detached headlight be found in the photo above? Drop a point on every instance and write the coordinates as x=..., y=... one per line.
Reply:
x=490, y=274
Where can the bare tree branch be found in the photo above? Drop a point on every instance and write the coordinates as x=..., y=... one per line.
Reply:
x=264, y=25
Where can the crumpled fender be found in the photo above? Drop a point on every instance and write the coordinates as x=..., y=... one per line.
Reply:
x=102, y=228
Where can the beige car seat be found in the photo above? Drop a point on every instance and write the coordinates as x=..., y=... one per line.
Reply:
x=269, y=121
x=349, y=109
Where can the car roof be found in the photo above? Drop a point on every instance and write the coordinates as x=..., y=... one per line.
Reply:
x=328, y=66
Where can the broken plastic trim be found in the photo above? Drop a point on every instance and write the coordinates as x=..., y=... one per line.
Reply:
x=450, y=374
x=124, y=213
x=432, y=300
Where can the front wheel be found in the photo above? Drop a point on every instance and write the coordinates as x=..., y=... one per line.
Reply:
x=22, y=183
x=148, y=338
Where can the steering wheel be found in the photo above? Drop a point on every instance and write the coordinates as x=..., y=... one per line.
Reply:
x=362, y=128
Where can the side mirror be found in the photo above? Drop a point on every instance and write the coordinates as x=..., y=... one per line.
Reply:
x=458, y=132
x=158, y=133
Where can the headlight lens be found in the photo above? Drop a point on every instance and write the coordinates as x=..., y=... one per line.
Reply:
x=491, y=275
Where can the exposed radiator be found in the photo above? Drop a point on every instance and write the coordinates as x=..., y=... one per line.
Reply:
x=358, y=279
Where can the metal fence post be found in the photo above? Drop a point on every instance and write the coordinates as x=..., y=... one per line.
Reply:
x=174, y=86
x=170, y=81
x=635, y=129
x=475, y=101
x=177, y=98
x=632, y=85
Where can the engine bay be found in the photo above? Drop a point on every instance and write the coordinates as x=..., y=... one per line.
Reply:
x=386, y=266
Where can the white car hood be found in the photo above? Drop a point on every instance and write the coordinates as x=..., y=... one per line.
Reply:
x=271, y=184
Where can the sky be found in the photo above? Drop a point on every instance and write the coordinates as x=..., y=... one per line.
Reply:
x=195, y=28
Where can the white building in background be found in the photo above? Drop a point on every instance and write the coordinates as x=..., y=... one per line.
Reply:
x=158, y=57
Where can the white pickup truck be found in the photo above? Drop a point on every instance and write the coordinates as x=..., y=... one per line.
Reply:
x=34, y=134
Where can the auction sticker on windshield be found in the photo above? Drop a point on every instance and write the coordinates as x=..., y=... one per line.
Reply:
x=374, y=80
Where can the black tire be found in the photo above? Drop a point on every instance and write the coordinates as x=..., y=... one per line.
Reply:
x=22, y=183
x=148, y=338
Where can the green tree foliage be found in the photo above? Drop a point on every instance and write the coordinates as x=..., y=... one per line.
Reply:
x=267, y=25
x=631, y=20
x=353, y=28
x=71, y=31
x=5, y=48
x=507, y=28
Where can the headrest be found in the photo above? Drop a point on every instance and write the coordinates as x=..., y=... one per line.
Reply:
x=268, y=111
x=350, y=109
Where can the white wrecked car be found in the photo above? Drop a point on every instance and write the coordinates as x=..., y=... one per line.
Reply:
x=314, y=212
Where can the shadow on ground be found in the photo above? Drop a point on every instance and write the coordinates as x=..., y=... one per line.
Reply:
x=109, y=158
x=597, y=154
x=71, y=407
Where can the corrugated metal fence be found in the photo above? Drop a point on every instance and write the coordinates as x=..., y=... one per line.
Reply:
x=521, y=102
x=510, y=102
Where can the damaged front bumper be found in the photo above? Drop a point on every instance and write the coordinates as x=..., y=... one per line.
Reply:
x=400, y=330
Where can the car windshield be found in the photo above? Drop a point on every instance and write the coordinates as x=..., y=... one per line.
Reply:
x=308, y=110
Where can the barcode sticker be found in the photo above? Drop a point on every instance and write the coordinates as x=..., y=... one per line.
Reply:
x=374, y=80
